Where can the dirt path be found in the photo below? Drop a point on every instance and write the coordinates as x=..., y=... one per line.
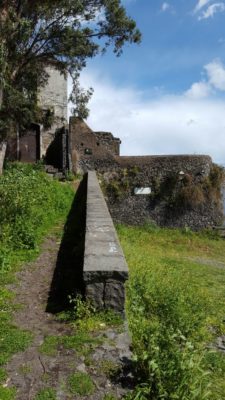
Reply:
x=34, y=369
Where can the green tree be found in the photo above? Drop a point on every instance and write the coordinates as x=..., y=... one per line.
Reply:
x=60, y=33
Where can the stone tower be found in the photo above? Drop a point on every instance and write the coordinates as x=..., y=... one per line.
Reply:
x=53, y=100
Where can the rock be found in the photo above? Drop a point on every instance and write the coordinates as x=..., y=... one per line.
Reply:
x=81, y=368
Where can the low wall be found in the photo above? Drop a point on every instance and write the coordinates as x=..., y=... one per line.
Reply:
x=105, y=269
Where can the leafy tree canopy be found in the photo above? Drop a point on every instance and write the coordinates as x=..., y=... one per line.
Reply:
x=60, y=33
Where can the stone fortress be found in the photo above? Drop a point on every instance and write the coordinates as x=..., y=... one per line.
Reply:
x=173, y=190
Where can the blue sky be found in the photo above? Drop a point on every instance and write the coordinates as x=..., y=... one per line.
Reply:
x=167, y=95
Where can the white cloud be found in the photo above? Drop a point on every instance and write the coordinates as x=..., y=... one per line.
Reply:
x=167, y=125
x=215, y=80
x=198, y=90
x=212, y=10
x=165, y=6
x=200, y=5
x=216, y=74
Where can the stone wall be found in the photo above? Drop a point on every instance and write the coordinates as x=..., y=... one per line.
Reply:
x=88, y=146
x=109, y=142
x=161, y=177
x=173, y=190
x=105, y=269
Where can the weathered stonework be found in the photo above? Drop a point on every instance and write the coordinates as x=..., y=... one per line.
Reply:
x=146, y=172
x=53, y=98
x=105, y=269
x=129, y=173
x=32, y=145
x=88, y=146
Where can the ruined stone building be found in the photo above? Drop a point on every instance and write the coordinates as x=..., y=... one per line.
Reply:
x=173, y=190
x=56, y=140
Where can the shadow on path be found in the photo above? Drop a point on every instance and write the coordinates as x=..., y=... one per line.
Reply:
x=68, y=275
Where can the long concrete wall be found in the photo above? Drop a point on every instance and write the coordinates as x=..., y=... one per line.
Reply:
x=105, y=269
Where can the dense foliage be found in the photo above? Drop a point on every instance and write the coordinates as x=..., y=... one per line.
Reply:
x=175, y=306
x=60, y=33
x=29, y=200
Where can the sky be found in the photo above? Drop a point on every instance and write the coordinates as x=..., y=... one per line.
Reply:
x=166, y=95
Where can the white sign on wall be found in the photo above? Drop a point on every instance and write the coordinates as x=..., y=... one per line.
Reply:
x=142, y=190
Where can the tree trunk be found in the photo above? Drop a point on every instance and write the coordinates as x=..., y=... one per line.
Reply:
x=1, y=96
x=3, y=147
x=3, y=17
x=2, y=144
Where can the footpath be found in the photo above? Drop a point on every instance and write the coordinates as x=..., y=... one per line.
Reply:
x=63, y=362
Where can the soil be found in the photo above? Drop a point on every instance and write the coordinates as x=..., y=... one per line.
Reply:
x=31, y=371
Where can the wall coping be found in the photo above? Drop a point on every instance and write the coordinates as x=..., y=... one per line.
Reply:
x=104, y=261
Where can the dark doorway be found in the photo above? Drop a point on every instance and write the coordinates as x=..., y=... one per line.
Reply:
x=29, y=145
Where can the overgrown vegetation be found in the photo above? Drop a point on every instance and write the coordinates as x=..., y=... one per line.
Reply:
x=175, y=307
x=119, y=183
x=185, y=191
x=30, y=204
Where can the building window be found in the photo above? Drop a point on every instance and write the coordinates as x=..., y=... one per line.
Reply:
x=88, y=151
x=82, y=144
x=98, y=143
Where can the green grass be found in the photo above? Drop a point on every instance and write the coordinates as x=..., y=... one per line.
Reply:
x=81, y=384
x=7, y=393
x=175, y=307
x=30, y=205
x=81, y=342
x=85, y=318
x=110, y=396
x=46, y=394
x=50, y=345
x=2, y=375
x=109, y=368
